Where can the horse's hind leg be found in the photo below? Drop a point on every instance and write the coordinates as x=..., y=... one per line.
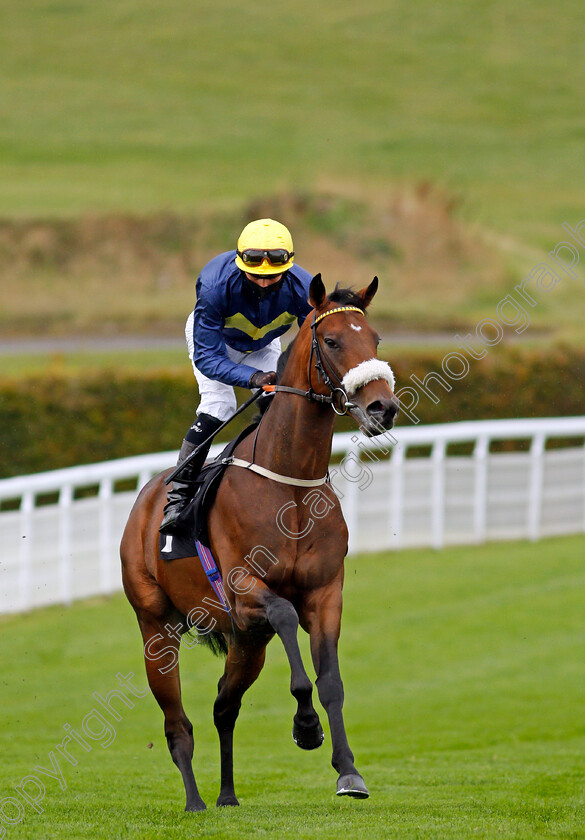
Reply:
x=244, y=662
x=161, y=653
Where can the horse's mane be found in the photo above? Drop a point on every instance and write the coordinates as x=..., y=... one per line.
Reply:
x=283, y=359
x=346, y=297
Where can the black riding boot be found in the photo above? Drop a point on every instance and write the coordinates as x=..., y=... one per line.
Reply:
x=181, y=490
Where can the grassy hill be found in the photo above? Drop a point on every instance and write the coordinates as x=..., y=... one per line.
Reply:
x=145, y=105
x=463, y=674
x=126, y=273
x=450, y=136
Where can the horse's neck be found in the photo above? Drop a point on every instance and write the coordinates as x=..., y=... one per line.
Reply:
x=295, y=438
x=296, y=435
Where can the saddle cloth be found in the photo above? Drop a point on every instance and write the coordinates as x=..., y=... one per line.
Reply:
x=191, y=524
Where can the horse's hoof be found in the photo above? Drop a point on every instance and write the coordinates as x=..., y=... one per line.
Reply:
x=308, y=739
x=352, y=785
x=198, y=805
x=229, y=800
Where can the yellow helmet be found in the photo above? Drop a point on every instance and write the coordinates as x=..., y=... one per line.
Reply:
x=265, y=247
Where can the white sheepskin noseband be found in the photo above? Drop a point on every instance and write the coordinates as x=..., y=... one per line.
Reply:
x=367, y=372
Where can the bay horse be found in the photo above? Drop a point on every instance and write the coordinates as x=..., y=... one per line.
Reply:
x=280, y=567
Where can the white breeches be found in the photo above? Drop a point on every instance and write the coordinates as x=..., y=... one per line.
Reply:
x=217, y=399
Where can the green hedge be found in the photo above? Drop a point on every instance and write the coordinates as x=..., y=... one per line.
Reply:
x=50, y=422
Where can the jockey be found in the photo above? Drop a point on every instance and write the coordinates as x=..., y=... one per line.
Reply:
x=246, y=299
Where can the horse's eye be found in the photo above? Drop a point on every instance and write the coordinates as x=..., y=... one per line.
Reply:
x=330, y=343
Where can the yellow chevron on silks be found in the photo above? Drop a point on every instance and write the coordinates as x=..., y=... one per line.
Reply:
x=241, y=323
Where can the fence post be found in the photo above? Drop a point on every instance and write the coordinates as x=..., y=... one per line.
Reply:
x=105, y=500
x=396, y=512
x=583, y=487
x=65, y=500
x=535, y=489
x=480, y=456
x=25, y=571
x=143, y=479
x=438, y=493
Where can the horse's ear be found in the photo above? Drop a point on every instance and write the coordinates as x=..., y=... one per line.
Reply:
x=317, y=293
x=368, y=293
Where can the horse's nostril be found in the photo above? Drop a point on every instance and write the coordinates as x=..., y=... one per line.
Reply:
x=375, y=407
x=383, y=411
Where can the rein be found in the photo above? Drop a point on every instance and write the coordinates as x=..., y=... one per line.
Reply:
x=312, y=396
x=338, y=392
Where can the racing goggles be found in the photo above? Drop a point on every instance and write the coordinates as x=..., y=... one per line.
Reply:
x=254, y=257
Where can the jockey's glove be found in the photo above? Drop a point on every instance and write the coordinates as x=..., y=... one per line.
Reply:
x=260, y=378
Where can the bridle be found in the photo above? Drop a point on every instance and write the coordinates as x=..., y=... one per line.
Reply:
x=337, y=398
x=337, y=392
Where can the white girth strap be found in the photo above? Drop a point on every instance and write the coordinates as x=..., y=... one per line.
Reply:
x=367, y=372
x=283, y=479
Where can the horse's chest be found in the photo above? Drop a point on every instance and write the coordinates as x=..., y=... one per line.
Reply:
x=307, y=569
x=313, y=571
x=315, y=557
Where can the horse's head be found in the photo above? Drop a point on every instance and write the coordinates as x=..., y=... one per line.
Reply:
x=344, y=356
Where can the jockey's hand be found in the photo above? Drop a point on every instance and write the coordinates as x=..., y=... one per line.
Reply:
x=261, y=378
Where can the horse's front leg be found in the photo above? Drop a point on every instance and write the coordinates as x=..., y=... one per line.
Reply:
x=307, y=731
x=322, y=618
x=282, y=617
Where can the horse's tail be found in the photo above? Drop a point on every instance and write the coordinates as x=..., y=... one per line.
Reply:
x=214, y=641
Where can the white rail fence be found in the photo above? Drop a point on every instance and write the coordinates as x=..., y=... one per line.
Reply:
x=57, y=543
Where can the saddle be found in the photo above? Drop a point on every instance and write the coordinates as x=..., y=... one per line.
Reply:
x=191, y=523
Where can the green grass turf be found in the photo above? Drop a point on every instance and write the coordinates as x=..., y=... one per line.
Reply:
x=74, y=362
x=464, y=683
x=146, y=105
